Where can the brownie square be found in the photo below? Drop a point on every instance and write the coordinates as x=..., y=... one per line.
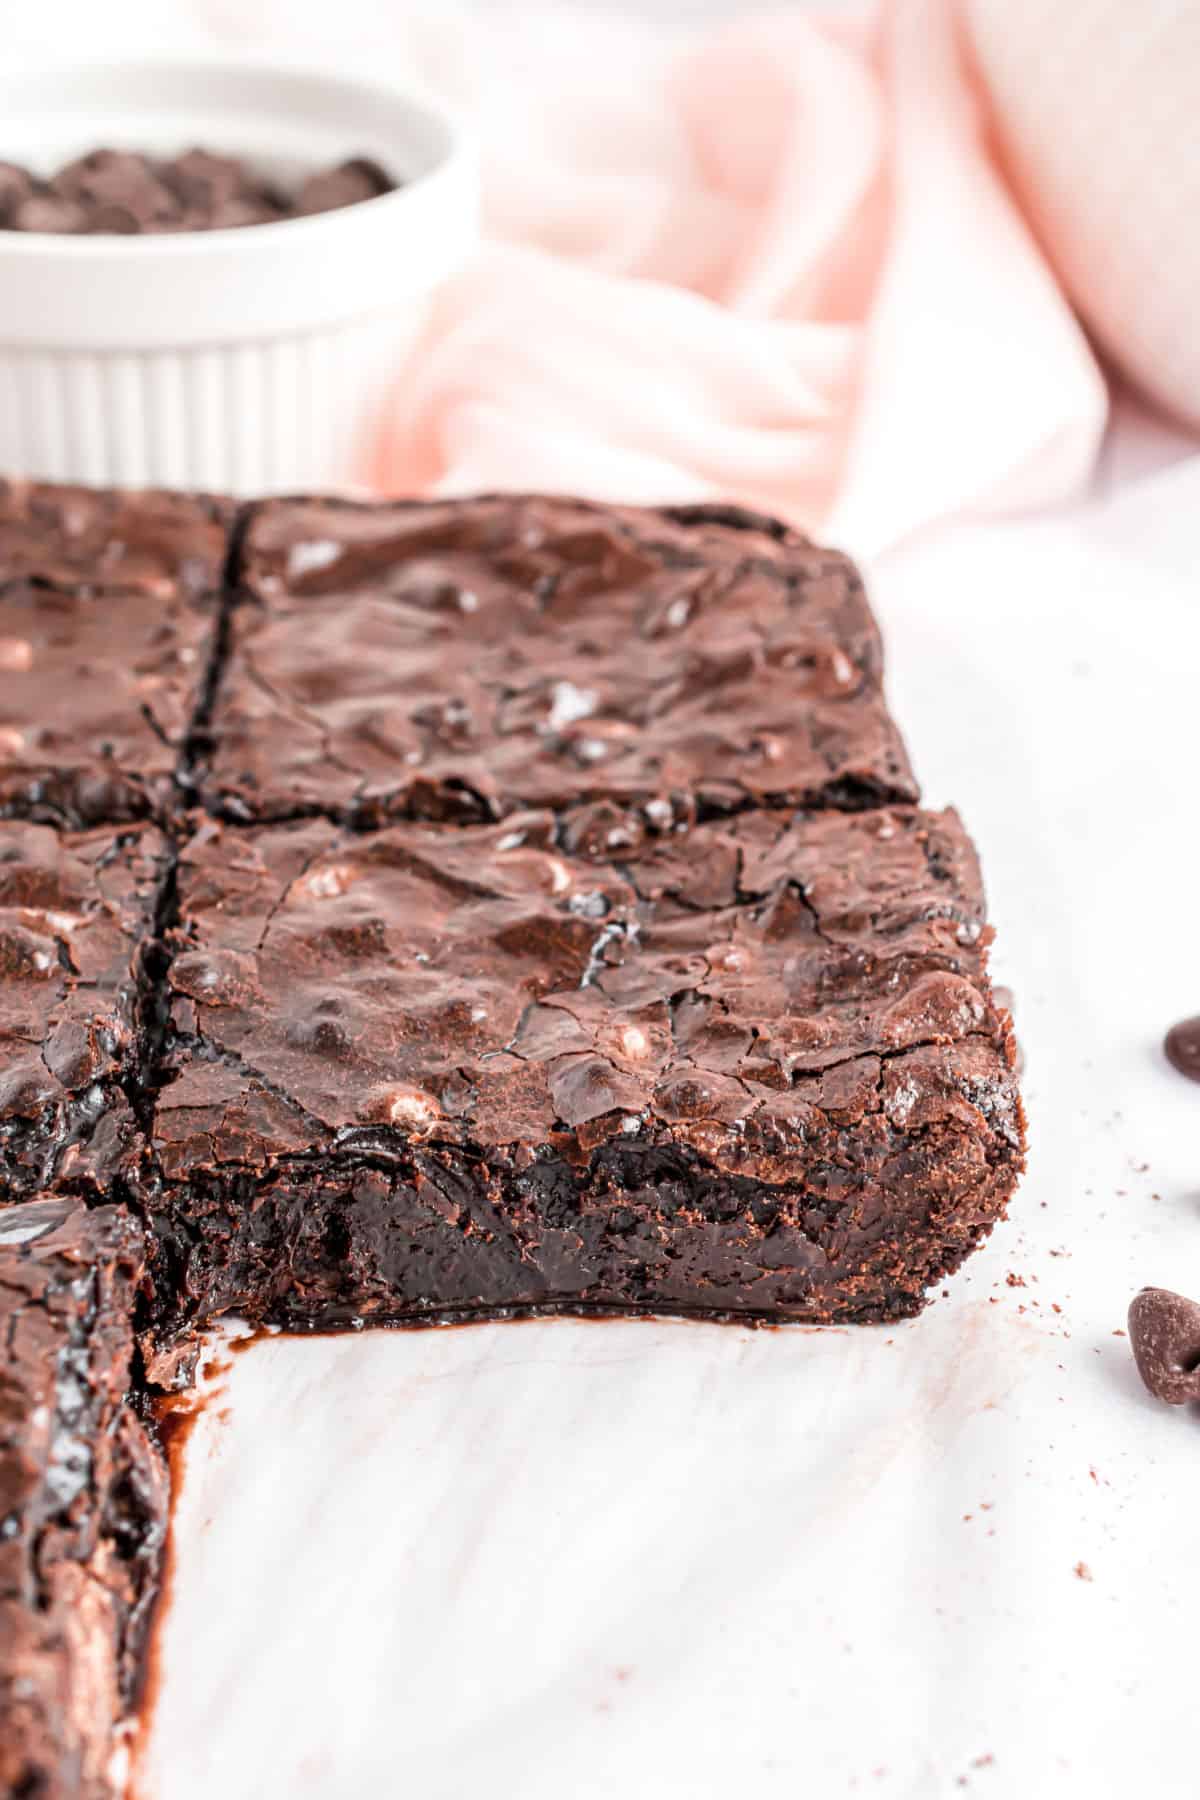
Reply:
x=83, y=1496
x=107, y=609
x=467, y=659
x=77, y=915
x=752, y=1069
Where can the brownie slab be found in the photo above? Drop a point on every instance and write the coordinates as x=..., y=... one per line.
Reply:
x=754, y=1068
x=76, y=916
x=108, y=603
x=83, y=1497
x=432, y=911
x=467, y=659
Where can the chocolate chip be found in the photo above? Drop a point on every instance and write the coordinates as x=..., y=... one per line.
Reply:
x=114, y=220
x=48, y=212
x=203, y=180
x=16, y=185
x=1164, y=1330
x=118, y=190
x=358, y=179
x=1182, y=1048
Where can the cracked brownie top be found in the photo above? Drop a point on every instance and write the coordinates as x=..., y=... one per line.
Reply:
x=464, y=661
x=76, y=918
x=107, y=605
x=490, y=986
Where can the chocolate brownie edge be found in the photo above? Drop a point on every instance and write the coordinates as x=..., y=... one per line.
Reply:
x=83, y=1497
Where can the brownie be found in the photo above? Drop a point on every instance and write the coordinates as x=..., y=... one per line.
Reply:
x=752, y=1068
x=107, y=614
x=466, y=659
x=434, y=911
x=127, y=193
x=77, y=921
x=83, y=1497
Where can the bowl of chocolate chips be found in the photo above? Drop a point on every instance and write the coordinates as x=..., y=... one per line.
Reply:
x=212, y=273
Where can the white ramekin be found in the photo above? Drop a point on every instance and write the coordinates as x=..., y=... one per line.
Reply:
x=247, y=361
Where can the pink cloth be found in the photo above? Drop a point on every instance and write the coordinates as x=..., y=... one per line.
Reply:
x=774, y=262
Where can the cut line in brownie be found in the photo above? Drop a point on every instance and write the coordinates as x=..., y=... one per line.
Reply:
x=77, y=920
x=108, y=604
x=754, y=1068
x=83, y=1497
x=467, y=659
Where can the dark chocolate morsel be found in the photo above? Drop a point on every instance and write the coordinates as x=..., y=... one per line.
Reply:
x=1164, y=1330
x=204, y=180
x=358, y=179
x=16, y=185
x=1182, y=1048
x=48, y=212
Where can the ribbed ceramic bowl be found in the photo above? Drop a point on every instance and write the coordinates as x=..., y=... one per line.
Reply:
x=246, y=360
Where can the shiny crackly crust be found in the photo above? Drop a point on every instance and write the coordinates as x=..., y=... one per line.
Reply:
x=77, y=913
x=465, y=660
x=107, y=608
x=83, y=1496
x=755, y=1066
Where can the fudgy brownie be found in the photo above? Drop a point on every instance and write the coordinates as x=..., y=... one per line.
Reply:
x=465, y=660
x=77, y=922
x=428, y=911
x=107, y=611
x=83, y=1497
x=750, y=1068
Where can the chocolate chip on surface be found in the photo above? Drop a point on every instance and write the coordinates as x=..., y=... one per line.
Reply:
x=1164, y=1330
x=1181, y=1046
x=48, y=212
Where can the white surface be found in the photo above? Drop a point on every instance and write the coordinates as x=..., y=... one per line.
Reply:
x=247, y=360
x=688, y=1561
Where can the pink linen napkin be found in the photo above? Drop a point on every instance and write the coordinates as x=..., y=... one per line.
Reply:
x=775, y=261
x=1095, y=103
